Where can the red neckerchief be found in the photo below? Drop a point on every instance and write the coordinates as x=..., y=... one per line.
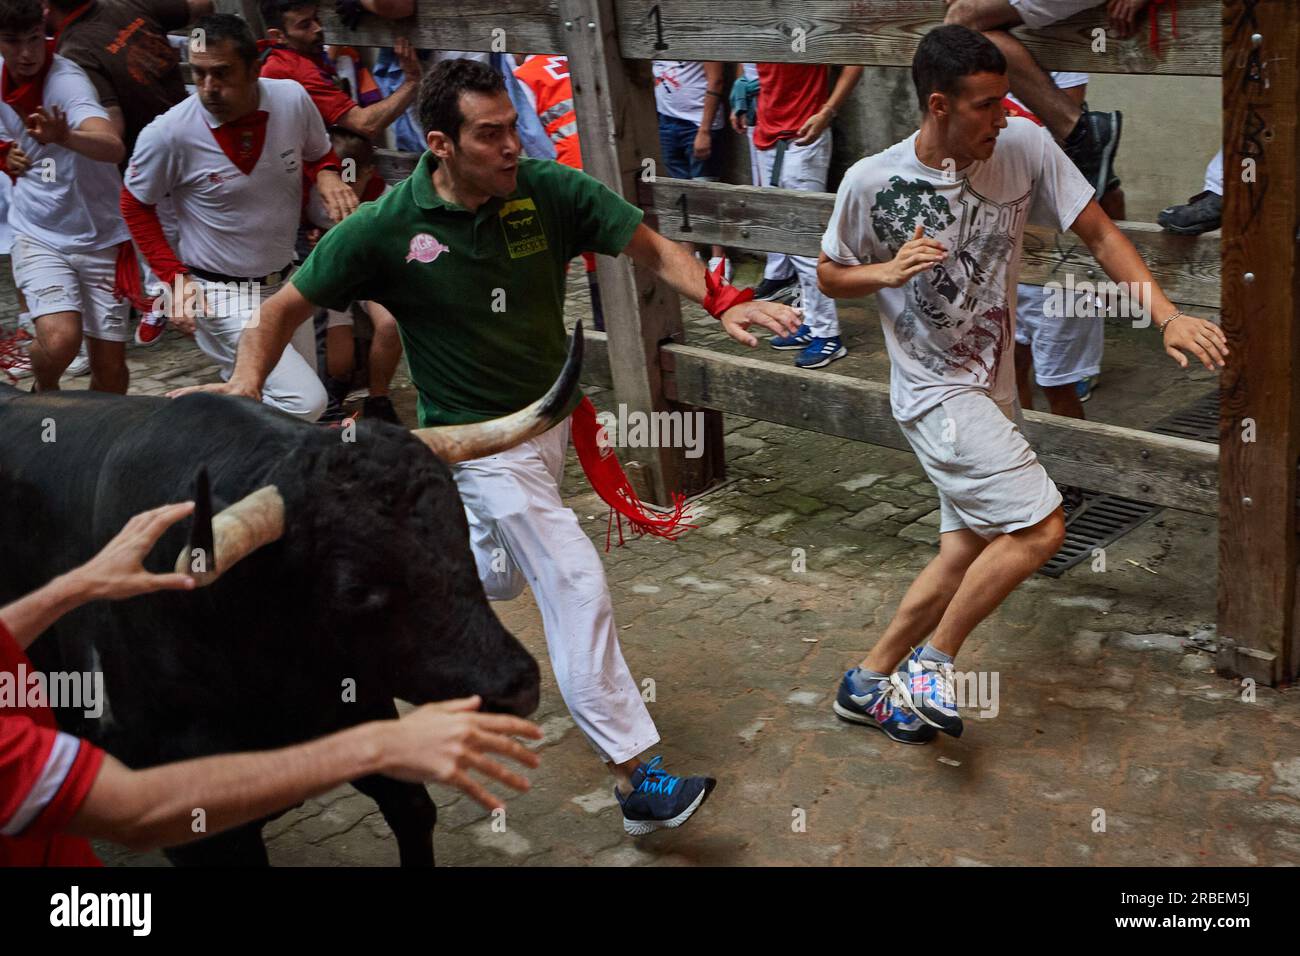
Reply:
x=25, y=97
x=374, y=187
x=607, y=478
x=76, y=14
x=242, y=139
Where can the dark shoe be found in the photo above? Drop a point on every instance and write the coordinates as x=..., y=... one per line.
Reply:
x=1201, y=213
x=1095, y=152
x=771, y=289
x=379, y=406
x=659, y=800
x=1071, y=499
x=881, y=707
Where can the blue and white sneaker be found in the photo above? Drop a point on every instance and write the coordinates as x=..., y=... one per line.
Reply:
x=821, y=352
x=882, y=708
x=799, y=340
x=660, y=801
x=1084, y=387
x=928, y=689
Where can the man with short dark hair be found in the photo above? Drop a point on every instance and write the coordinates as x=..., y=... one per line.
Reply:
x=232, y=158
x=295, y=50
x=469, y=255
x=934, y=225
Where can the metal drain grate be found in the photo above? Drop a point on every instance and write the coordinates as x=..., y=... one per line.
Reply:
x=1199, y=420
x=1100, y=520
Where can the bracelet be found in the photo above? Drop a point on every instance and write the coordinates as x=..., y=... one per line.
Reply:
x=1165, y=324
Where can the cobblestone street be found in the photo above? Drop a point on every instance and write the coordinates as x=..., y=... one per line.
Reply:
x=1108, y=740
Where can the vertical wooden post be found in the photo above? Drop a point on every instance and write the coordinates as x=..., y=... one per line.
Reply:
x=1260, y=393
x=614, y=100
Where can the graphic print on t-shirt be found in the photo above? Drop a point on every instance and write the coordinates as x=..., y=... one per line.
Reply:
x=962, y=301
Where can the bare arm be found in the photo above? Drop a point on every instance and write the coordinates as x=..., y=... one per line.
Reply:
x=1123, y=263
x=714, y=82
x=372, y=120
x=115, y=572
x=144, y=809
x=917, y=255
x=677, y=267
x=817, y=123
x=117, y=120
x=95, y=138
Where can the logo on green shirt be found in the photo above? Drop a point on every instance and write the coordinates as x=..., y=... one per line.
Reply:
x=523, y=229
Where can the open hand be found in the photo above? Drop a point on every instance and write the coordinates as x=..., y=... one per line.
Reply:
x=774, y=316
x=1203, y=339
x=118, y=572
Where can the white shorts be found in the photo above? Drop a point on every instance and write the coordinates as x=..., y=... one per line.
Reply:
x=989, y=479
x=334, y=318
x=1043, y=13
x=82, y=282
x=1066, y=349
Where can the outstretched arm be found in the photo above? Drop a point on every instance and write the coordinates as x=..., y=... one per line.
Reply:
x=1122, y=262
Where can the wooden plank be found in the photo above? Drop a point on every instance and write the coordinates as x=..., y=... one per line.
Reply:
x=1173, y=472
x=484, y=26
x=1257, y=619
x=882, y=33
x=641, y=311
x=786, y=220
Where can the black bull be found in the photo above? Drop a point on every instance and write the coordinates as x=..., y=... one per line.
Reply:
x=370, y=594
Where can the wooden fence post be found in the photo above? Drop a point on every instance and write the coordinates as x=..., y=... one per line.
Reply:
x=614, y=100
x=1259, y=427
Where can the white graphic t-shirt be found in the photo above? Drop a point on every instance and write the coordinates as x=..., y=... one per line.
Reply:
x=950, y=329
x=680, y=88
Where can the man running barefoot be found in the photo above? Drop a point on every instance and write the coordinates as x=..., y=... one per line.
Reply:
x=934, y=225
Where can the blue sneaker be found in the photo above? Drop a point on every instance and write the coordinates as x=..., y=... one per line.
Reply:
x=799, y=340
x=928, y=689
x=1083, y=388
x=821, y=352
x=660, y=801
x=881, y=708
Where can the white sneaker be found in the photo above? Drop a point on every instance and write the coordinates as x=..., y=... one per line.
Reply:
x=713, y=264
x=80, y=365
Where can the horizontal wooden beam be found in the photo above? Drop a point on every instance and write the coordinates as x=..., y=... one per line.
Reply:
x=1160, y=469
x=880, y=33
x=764, y=219
x=883, y=33
x=482, y=26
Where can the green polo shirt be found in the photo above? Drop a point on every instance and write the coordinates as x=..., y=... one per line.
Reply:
x=478, y=296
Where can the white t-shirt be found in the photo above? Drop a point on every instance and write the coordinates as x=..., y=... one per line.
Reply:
x=680, y=89
x=66, y=201
x=950, y=329
x=229, y=222
x=1063, y=81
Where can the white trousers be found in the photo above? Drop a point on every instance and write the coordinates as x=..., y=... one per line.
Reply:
x=804, y=168
x=293, y=385
x=1214, y=174
x=521, y=532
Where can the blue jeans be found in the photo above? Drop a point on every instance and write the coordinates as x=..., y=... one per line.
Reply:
x=677, y=143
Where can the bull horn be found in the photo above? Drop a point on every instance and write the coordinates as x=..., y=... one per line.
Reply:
x=233, y=534
x=453, y=443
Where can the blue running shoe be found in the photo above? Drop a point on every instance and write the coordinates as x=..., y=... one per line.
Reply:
x=1084, y=387
x=821, y=352
x=881, y=708
x=660, y=801
x=928, y=689
x=798, y=340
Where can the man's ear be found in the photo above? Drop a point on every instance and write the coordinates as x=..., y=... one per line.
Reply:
x=439, y=143
x=938, y=104
x=275, y=35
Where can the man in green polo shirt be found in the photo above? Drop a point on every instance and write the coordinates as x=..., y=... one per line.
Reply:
x=469, y=255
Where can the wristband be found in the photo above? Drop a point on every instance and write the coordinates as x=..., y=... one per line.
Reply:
x=1165, y=324
x=721, y=294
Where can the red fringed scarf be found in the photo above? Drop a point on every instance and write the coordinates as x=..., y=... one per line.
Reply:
x=1154, y=15
x=25, y=97
x=607, y=477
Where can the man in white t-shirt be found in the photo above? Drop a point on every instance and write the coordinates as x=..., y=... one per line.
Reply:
x=688, y=98
x=62, y=152
x=232, y=157
x=934, y=226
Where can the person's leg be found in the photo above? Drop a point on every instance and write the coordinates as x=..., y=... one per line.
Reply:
x=108, y=371
x=1003, y=564
x=1034, y=87
x=105, y=320
x=806, y=168
x=58, y=339
x=385, y=349
x=340, y=349
x=1024, y=380
x=778, y=269
x=1214, y=174
x=927, y=599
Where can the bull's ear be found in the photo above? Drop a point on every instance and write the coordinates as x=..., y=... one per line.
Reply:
x=201, y=539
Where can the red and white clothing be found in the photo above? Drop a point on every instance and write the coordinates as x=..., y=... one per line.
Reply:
x=546, y=85
x=236, y=190
x=788, y=94
x=66, y=201
x=680, y=90
x=317, y=77
x=232, y=221
x=45, y=776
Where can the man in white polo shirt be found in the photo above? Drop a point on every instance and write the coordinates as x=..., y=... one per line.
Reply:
x=232, y=157
x=61, y=151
